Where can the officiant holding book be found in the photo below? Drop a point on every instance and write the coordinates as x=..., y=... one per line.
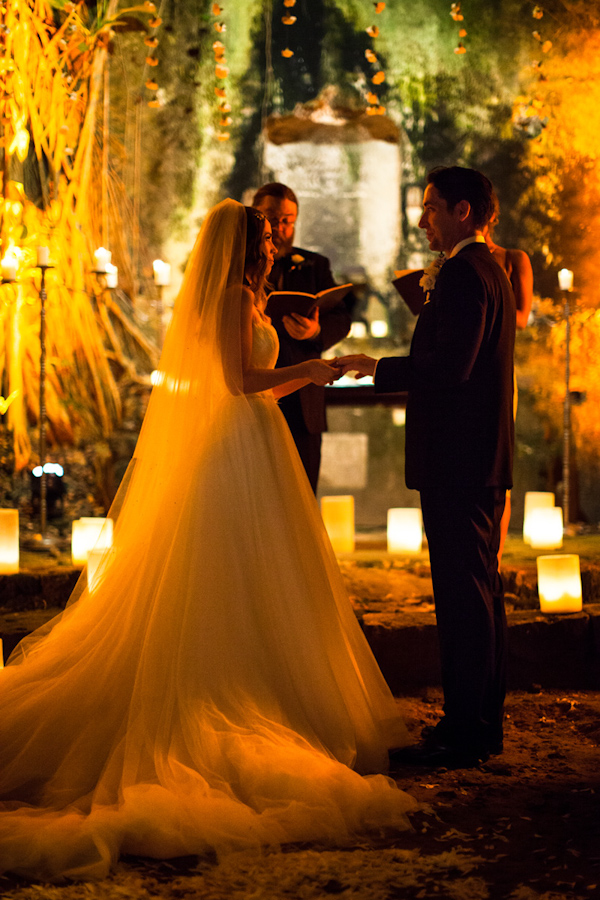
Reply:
x=301, y=337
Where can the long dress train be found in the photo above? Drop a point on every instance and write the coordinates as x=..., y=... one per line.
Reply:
x=210, y=691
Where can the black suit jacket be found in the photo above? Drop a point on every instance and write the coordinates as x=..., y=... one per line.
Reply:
x=459, y=378
x=306, y=408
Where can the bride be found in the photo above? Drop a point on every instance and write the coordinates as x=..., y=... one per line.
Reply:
x=213, y=688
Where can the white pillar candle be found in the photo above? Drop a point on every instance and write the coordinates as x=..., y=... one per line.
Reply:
x=535, y=500
x=8, y=266
x=565, y=280
x=87, y=534
x=112, y=276
x=338, y=518
x=162, y=273
x=545, y=527
x=9, y=541
x=43, y=256
x=404, y=530
x=102, y=258
x=559, y=583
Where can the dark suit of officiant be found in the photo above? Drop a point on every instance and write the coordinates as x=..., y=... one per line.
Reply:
x=459, y=451
x=304, y=410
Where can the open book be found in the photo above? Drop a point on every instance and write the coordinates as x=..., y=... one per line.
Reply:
x=407, y=285
x=284, y=303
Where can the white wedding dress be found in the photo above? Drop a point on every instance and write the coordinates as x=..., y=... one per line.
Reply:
x=214, y=690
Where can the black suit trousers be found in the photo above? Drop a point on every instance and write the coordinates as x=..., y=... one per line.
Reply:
x=463, y=531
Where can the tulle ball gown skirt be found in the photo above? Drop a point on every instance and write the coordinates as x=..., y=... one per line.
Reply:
x=213, y=690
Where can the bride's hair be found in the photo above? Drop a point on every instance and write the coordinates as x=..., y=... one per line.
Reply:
x=255, y=262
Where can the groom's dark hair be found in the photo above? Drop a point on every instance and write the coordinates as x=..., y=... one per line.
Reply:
x=455, y=183
x=274, y=189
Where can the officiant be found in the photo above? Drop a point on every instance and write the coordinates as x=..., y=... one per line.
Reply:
x=301, y=338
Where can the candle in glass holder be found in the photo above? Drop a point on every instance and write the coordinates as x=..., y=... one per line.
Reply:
x=338, y=518
x=9, y=541
x=535, y=500
x=546, y=528
x=559, y=583
x=162, y=273
x=43, y=256
x=102, y=258
x=404, y=530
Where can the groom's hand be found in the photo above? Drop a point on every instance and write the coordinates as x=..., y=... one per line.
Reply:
x=359, y=363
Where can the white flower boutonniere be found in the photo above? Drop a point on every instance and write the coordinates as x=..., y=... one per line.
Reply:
x=431, y=273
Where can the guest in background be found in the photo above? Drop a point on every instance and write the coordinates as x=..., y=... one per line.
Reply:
x=517, y=266
x=300, y=338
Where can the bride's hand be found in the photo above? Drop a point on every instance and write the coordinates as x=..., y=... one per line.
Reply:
x=321, y=371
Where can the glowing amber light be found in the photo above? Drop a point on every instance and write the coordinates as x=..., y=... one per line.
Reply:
x=404, y=530
x=287, y=52
x=546, y=528
x=378, y=78
x=89, y=534
x=338, y=518
x=9, y=541
x=289, y=20
x=559, y=583
x=535, y=500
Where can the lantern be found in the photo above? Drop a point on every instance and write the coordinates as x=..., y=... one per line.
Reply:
x=545, y=527
x=404, y=530
x=559, y=583
x=535, y=500
x=89, y=534
x=338, y=518
x=9, y=541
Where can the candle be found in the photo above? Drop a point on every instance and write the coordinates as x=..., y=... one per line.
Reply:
x=162, y=273
x=9, y=268
x=338, y=517
x=9, y=541
x=102, y=258
x=535, y=500
x=565, y=280
x=43, y=256
x=89, y=534
x=546, y=528
x=404, y=530
x=559, y=583
x=112, y=275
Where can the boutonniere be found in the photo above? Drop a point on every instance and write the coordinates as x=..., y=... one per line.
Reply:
x=297, y=261
x=431, y=273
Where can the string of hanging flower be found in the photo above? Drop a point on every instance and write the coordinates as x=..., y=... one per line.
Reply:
x=531, y=114
x=151, y=41
x=288, y=19
x=375, y=108
x=456, y=13
x=221, y=74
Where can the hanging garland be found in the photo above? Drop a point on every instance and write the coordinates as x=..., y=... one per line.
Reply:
x=531, y=116
x=221, y=73
x=288, y=19
x=375, y=108
x=457, y=15
x=152, y=42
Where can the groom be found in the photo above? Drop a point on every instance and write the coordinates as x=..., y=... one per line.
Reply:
x=459, y=449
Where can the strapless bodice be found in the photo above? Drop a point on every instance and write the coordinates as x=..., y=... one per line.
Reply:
x=265, y=343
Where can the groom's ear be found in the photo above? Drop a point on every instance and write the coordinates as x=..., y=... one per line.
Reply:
x=463, y=209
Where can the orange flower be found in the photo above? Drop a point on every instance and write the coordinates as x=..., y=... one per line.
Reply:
x=289, y=20
x=372, y=98
x=224, y=107
x=151, y=42
x=460, y=48
x=151, y=61
x=537, y=13
x=379, y=7
x=220, y=27
x=223, y=136
x=378, y=78
x=287, y=52
x=462, y=32
x=154, y=103
x=216, y=9
x=547, y=45
x=372, y=57
x=373, y=31
x=289, y=3
x=149, y=7
x=227, y=120
x=221, y=71
x=220, y=92
x=219, y=48
x=151, y=85
x=154, y=23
